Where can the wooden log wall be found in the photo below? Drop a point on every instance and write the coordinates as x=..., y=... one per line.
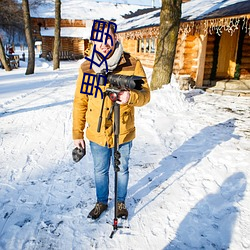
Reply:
x=209, y=57
x=186, y=55
x=245, y=60
x=47, y=45
x=178, y=61
x=190, y=56
x=146, y=59
x=50, y=22
x=79, y=46
x=73, y=45
x=131, y=46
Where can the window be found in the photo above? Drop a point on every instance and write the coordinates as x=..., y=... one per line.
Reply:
x=146, y=45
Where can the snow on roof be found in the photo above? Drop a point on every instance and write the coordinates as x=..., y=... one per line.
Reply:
x=138, y=2
x=192, y=10
x=80, y=32
x=85, y=10
x=197, y=9
x=149, y=19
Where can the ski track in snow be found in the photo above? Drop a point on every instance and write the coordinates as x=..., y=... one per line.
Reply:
x=180, y=180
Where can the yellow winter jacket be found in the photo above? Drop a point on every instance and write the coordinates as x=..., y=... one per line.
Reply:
x=86, y=108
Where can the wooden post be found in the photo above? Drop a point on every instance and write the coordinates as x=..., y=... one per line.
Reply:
x=145, y=45
x=140, y=45
x=201, y=60
x=149, y=45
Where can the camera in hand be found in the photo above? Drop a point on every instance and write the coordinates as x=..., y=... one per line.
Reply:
x=122, y=81
x=78, y=153
x=117, y=83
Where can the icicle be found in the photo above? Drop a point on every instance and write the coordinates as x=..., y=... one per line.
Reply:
x=216, y=25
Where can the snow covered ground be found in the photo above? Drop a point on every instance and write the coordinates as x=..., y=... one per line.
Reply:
x=189, y=170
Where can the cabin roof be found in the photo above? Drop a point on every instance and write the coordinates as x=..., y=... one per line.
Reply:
x=148, y=19
x=85, y=10
x=193, y=10
x=79, y=32
x=208, y=9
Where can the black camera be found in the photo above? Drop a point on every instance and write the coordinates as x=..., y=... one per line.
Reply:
x=125, y=82
x=122, y=81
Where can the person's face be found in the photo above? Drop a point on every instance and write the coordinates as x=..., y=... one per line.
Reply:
x=105, y=48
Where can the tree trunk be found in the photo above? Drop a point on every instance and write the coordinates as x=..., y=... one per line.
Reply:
x=56, y=59
x=168, y=34
x=29, y=38
x=3, y=57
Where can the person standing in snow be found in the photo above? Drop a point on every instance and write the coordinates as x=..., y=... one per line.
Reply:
x=11, y=50
x=87, y=107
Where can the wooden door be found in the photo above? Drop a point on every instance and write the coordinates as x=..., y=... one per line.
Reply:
x=227, y=55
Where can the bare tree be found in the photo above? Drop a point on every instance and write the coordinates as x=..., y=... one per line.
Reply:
x=168, y=34
x=3, y=57
x=28, y=33
x=11, y=24
x=11, y=16
x=56, y=59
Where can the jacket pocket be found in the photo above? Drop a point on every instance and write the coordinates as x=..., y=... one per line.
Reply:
x=127, y=120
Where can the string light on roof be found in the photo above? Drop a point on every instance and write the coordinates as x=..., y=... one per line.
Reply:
x=206, y=27
x=246, y=25
x=218, y=25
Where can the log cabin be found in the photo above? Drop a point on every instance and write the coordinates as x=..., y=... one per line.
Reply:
x=74, y=37
x=76, y=24
x=213, y=41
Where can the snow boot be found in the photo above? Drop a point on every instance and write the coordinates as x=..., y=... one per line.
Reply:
x=122, y=211
x=97, y=210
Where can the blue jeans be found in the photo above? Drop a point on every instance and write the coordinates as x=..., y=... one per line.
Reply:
x=102, y=158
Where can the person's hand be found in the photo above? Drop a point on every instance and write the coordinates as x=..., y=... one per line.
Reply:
x=78, y=152
x=123, y=97
x=79, y=143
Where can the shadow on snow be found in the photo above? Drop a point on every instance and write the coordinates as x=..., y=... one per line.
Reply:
x=210, y=223
x=23, y=110
x=190, y=153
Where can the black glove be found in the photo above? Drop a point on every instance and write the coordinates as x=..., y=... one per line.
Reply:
x=78, y=153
